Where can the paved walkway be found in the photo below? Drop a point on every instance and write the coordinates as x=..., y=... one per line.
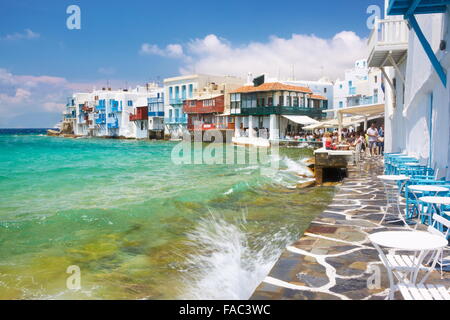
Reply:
x=334, y=259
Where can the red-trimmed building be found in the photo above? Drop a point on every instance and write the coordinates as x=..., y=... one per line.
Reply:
x=210, y=108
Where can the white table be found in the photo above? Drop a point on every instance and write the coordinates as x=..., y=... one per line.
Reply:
x=428, y=188
x=436, y=204
x=392, y=195
x=406, y=268
x=420, y=189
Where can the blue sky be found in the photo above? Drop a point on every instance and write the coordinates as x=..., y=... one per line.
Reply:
x=138, y=41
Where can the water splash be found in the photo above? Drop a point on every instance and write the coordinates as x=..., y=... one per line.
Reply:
x=229, y=262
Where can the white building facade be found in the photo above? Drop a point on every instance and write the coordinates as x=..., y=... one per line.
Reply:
x=113, y=113
x=361, y=86
x=179, y=89
x=417, y=97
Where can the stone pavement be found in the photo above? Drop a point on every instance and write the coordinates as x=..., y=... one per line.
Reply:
x=334, y=259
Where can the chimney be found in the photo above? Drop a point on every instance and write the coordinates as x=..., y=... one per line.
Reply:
x=249, y=79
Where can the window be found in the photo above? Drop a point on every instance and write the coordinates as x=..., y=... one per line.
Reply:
x=170, y=114
x=171, y=92
x=270, y=102
x=295, y=101
x=183, y=92
x=177, y=92
x=325, y=90
x=281, y=101
x=350, y=83
x=376, y=79
x=130, y=103
x=191, y=90
x=340, y=86
x=341, y=104
x=177, y=113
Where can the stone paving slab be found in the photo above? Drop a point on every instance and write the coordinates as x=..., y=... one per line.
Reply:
x=334, y=258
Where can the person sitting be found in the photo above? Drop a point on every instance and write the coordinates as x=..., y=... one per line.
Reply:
x=329, y=142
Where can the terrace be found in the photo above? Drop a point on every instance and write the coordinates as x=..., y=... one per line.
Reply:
x=334, y=259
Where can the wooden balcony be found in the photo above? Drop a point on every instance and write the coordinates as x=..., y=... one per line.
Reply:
x=141, y=114
x=201, y=109
x=388, y=43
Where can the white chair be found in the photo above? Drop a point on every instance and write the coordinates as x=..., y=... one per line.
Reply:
x=441, y=222
x=424, y=292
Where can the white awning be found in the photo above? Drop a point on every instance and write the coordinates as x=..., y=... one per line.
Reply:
x=304, y=120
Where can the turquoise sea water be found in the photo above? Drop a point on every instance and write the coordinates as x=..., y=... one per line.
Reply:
x=137, y=225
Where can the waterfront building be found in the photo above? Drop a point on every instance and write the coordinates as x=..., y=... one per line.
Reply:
x=273, y=110
x=113, y=113
x=209, y=108
x=362, y=85
x=156, y=114
x=179, y=89
x=416, y=63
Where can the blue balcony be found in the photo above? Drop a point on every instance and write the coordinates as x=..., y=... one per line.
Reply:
x=176, y=120
x=155, y=100
x=176, y=101
x=101, y=119
x=100, y=108
x=352, y=91
x=114, y=125
x=156, y=114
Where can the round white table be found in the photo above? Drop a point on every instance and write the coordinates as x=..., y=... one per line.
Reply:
x=428, y=188
x=408, y=240
x=442, y=201
x=405, y=267
x=421, y=189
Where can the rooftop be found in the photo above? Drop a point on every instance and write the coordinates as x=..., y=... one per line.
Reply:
x=272, y=86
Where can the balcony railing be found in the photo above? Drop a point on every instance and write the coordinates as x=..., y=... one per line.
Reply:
x=388, y=36
x=279, y=110
x=201, y=109
x=114, y=125
x=156, y=113
x=100, y=108
x=175, y=120
x=174, y=101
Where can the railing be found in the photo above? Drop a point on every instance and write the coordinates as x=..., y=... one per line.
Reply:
x=175, y=120
x=155, y=100
x=156, y=114
x=113, y=125
x=100, y=108
x=283, y=110
x=173, y=101
x=201, y=109
x=389, y=32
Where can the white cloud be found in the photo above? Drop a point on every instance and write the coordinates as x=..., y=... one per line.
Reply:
x=26, y=35
x=23, y=97
x=311, y=57
x=171, y=50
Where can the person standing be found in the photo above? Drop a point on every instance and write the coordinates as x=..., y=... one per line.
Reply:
x=381, y=140
x=372, y=132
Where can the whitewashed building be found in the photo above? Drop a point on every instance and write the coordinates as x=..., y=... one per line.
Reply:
x=416, y=65
x=179, y=89
x=113, y=113
x=362, y=85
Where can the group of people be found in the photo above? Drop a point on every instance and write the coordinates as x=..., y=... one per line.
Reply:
x=371, y=141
